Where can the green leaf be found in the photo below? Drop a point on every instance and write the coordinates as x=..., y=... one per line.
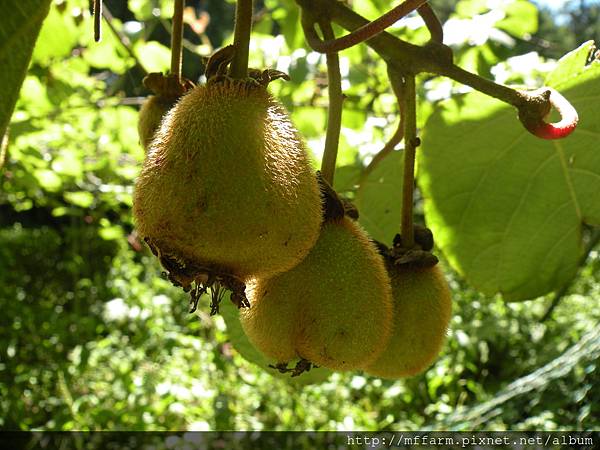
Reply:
x=48, y=180
x=82, y=199
x=155, y=56
x=310, y=120
x=521, y=18
x=57, y=37
x=20, y=22
x=570, y=65
x=108, y=53
x=379, y=198
x=506, y=207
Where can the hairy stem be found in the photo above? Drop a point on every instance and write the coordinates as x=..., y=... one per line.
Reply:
x=410, y=146
x=334, y=113
x=177, y=38
x=241, y=39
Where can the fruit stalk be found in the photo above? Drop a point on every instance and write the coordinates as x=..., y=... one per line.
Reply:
x=97, y=20
x=334, y=114
x=410, y=145
x=177, y=38
x=241, y=39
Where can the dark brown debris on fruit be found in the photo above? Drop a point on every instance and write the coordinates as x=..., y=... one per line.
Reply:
x=302, y=366
x=198, y=280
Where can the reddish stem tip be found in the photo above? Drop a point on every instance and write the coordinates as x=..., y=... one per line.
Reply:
x=557, y=130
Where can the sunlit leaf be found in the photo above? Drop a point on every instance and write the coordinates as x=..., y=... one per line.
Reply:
x=48, y=180
x=571, y=65
x=521, y=18
x=108, y=53
x=154, y=56
x=507, y=208
x=82, y=198
x=20, y=22
x=57, y=37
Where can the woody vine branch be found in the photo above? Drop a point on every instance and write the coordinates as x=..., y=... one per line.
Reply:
x=437, y=58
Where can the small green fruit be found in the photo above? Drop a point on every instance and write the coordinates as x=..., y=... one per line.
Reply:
x=241, y=343
x=150, y=116
x=168, y=89
x=333, y=309
x=422, y=310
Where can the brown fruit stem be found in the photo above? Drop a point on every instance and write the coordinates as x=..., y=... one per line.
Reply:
x=97, y=20
x=241, y=39
x=334, y=113
x=411, y=143
x=177, y=39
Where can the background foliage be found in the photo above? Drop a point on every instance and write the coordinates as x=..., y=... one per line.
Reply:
x=92, y=337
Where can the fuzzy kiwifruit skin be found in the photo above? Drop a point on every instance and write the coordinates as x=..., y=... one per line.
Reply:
x=334, y=309
x=227, y=183
x=150, y=116
x=422, y=311
x=238, y=339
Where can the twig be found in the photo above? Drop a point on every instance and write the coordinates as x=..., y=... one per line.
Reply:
x=186, y=43
x=334, y=112
x=97, y=20
x=364, y=32
x=388, y=148
x=397, y=83
x=176, y=39
x=411, y=143
x=241, y=39
x=432, y=23
x=437, y=58
x=122, y=38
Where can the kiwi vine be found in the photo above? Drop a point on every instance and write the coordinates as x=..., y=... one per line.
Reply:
x=297, y=322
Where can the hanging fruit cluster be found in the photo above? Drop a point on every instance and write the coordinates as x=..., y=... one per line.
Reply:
x=227, y=199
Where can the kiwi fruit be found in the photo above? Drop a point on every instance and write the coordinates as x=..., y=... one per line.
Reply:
x=151, y=113
x=422, y=309
x=333, y=309
x=240, y=342
x=227, y=185
x=167, y=90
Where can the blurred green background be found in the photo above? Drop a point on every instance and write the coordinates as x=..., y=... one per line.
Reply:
x=93, y=337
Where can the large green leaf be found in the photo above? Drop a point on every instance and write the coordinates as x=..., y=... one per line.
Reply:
x=507, y=208
x=379, y=198
x=20, y=22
